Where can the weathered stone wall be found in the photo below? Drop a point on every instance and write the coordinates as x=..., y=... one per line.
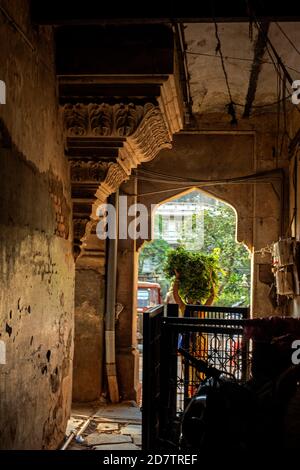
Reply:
x=89, y=322
x=36, y=262
x=217, y=152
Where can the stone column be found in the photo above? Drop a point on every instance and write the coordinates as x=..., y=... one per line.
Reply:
x=127, y=275
x=89, y=324
x=104, y=143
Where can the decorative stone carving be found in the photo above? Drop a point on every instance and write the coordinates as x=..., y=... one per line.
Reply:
x=114, y=178
x=94, y=120
x=76, y=119
x=100, y=119
x=151, y=136
x=128, y=117
x=87, y=170
x=146, y=129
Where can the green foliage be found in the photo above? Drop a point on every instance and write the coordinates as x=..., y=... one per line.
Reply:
x=235, y=278
x=198, y=273
x=156, y=251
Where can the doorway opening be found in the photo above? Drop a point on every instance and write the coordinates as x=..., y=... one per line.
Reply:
x=198, y=222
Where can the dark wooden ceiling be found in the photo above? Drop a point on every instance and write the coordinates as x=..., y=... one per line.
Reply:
x=93, y=12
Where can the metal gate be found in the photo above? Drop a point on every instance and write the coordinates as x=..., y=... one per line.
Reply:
x=210, y=333
x=151, y=376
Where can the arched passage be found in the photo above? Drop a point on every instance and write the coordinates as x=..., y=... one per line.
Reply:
x=199, y=222
x=208, y=161
x=230, y=197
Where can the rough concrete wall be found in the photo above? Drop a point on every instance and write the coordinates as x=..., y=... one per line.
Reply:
x=36, y=263
x=270, y=210
x=218, y=152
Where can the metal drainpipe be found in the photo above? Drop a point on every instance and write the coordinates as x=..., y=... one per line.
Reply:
x=111, y=279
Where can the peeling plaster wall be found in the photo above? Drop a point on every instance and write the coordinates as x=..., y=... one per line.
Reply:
x=218, y=151
x=89, y=325
x=36, y=262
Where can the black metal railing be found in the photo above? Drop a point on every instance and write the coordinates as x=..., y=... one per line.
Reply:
x=229, y=313
x=151, y=376
x=218, y=339
x=214, y=334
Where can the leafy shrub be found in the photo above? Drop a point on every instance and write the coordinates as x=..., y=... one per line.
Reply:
x=198, y=273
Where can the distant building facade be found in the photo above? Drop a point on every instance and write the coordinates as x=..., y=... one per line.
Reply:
x=182, y=220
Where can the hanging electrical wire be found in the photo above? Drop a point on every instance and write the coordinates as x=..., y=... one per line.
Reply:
x=279, y=79
x=282, y=77
x=266, y=105
x=180, y=178
x=159, y=177
x=287, y=37
x=279, y=65
x=230, y=105
x=285, y=113
x=285, y=133
x=185, y=184
x=278, y=59
x=282, y=88
x=245, y=59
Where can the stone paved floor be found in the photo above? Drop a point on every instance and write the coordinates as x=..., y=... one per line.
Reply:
x=119, y=427
x=112, y=427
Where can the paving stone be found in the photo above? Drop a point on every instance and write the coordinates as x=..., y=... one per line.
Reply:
x=118, y=420
x=73, y=425
x=137, y=440
x=97, y=439
x=75, y=446
x=122, y=412
x=84, y=410
x=132, y=429
x=113, y=447
x=107, y=427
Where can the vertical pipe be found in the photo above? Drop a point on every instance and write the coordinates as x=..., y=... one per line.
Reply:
x=111, y=280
